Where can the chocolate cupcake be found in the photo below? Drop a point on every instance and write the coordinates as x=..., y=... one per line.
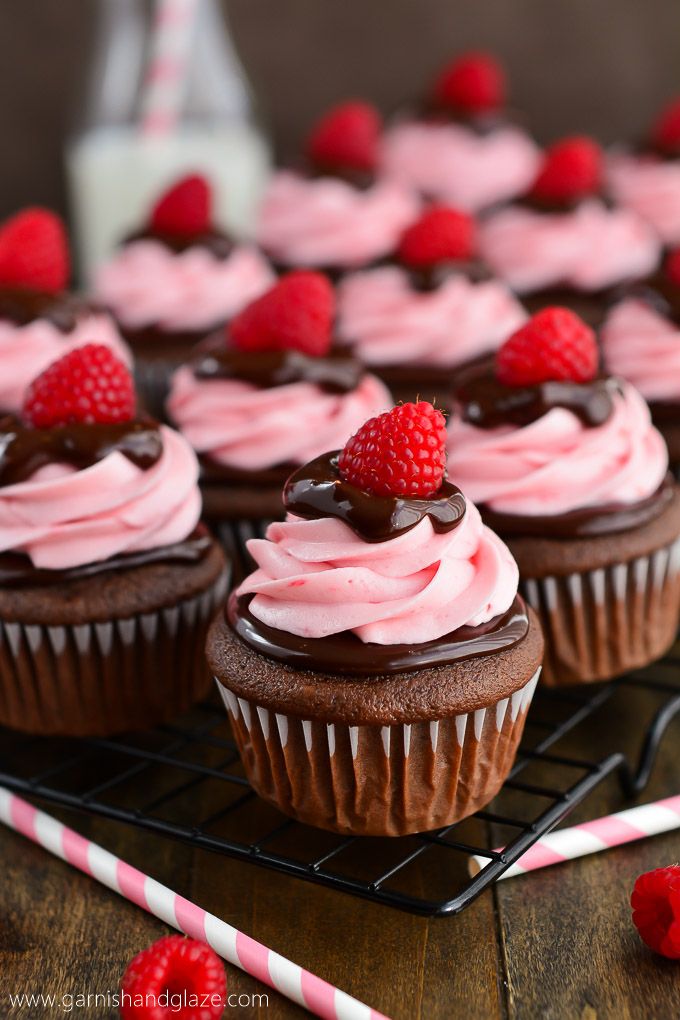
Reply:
x=641, y=343
x=378, y=665
x=39, y=320
x=565, y=464
x=461, y=145
x=175, y=281
x=267, y=394
x=335, y=213
x=431, y=309
x=107, y=579
x=562, y=242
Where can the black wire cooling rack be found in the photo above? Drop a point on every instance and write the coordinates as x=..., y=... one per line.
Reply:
x=185, y=781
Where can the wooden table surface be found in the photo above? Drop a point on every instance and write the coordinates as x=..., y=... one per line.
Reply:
x=558, y=944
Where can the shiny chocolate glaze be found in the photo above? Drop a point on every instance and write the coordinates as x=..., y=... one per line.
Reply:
x=586, y=522
x=346, y=655
x=17, y=570
x=488, y=403
x=334, y=372
x=317, y=490
x=23, y=450
x=22, y=306
x=214, y=241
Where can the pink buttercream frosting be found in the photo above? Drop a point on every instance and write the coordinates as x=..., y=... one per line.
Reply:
x=642, y=345
x=315, y=578
x=63, y=518
x=651, y=187
x=148, y=284
x=557, y=464
x=25, y=351
x=388, y=322
x=588, y=249
x=451, y=163
x=327, y=222
x=242, y=426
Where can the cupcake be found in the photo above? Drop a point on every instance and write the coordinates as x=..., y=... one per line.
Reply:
x=461, y=147
x=268, y=394
x=177, y=280
x=39, y=320
x=647, y=179
x=562, y=242
x=641, y=343
x=428, y=311
x=378, y=664
x=335, y=214
x=565, y=464
x=107, y=579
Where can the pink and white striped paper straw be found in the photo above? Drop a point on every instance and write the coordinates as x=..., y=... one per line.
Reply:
x=308, y=991
x=592, y=837
x=166, y=73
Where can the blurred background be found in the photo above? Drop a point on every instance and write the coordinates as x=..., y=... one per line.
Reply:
x=602, y=66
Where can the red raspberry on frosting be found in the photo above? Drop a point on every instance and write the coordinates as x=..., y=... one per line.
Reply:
x=554, y=345
x=175, y=977
x=347, y=137
x=571, y=170
x=34, y=251
x=88, y=385
x=666, y=130
x=296, y=313
x=474, y=83
x=185, y=209
x=440, y=235
x=656, y=910
x=400, y=453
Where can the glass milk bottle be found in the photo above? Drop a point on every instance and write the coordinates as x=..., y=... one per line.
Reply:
x=168, y=96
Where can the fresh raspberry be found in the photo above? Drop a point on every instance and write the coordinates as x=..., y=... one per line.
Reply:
x=296, y=313
x=34, y=251
x=86, y=385
x=185, y=209
x=175, y=977
x=474, y=83
x=571, y=169
x=666, y=130
x=672, y=266
x=347, y=137
x=440, y=235
x=400, y=453
x=656, y=910
x=554, y=345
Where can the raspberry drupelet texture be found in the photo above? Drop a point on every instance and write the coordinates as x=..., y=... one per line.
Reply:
x=554, y=345
x=185, y=209
x=175, y=977
x=295, y=314
x=88, y=385
x=441, y=234
x=400, y=453
x=34, y=251
x=656, y=910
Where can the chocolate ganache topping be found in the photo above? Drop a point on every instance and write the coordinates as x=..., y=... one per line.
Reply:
x=24, y=450
x=318, y=490
x=23, y=306
x=214, y=241
x=335, y=372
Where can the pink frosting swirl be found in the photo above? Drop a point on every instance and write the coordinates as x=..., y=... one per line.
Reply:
x=327, y=222
x=643, y=346
x=589, y=249
x=651, y=187
x=64, y=518
x=241, y=426
x=557, y=464
x=453, y=164
x=25, y=351
x=389, y=323
x=317, y=578
x=148, y=284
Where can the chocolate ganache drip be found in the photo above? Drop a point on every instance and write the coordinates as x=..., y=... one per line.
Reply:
x=24, y=450
x=214, y=241
x=335, y=372
x=318, y=490
x=22, y=306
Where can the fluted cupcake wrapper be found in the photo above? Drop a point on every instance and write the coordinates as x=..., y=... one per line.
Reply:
x=379, y=780
x=104, y=678
x=601, y=623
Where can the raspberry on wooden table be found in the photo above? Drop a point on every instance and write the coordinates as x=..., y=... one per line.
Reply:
x=175, y=977
x=656, y=910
